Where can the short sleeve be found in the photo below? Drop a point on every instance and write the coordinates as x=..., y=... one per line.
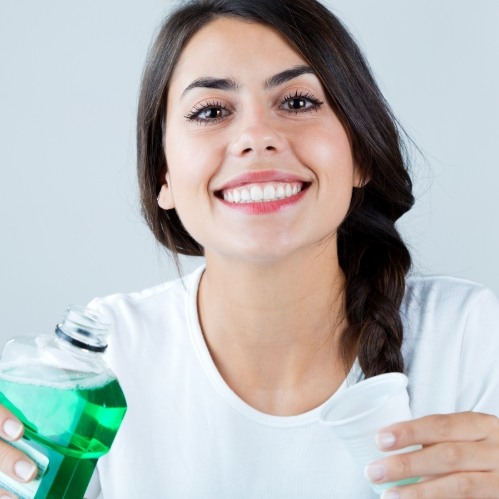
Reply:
x=479, y=365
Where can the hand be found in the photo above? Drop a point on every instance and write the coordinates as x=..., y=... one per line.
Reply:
x=459, y=458
x=12, y=461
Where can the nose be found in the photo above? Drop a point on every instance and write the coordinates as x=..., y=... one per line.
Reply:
x=257, y=138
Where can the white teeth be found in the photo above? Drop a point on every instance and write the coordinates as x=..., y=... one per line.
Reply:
x=262, y=192
x=269, y=192
x=256, y=193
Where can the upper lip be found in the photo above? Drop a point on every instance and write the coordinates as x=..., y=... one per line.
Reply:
x=260, y=176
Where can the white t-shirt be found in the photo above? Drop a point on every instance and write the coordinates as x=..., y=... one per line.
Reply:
x=188, y=435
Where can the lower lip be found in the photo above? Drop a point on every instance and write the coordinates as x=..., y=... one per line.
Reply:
x=265, y=207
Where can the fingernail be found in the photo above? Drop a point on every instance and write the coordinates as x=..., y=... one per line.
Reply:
x=12, y=428
x=385, y=440
x=390, y=494
x=375, y=472
x=25, y=470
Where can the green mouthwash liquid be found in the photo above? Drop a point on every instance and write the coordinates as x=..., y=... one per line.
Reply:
x=71, y=406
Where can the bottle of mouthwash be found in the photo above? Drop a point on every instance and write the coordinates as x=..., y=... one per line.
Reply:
x=68, y=400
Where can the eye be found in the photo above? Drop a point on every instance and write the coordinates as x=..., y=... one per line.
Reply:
x=300, y=102
x=208, y=113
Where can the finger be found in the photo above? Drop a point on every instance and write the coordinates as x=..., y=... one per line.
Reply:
x=458, y=486
x=10, y=427
x=16, y=464
x=7, y=495
x=464, y=426
x=438, y=459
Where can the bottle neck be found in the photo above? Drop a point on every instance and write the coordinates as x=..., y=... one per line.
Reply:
x=84, y=329
x=74, y=341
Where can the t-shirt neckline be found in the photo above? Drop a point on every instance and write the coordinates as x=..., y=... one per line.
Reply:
x=223, y=388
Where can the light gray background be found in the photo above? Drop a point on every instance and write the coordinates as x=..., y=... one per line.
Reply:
x=70, y=225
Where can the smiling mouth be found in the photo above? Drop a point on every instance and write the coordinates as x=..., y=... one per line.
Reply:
x=262, y=192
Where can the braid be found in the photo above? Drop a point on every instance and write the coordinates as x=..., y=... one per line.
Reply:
x=375, y=261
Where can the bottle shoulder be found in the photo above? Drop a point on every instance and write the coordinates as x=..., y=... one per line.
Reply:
x=45, y=360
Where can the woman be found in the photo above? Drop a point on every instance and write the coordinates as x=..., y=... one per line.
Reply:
x=265, y=145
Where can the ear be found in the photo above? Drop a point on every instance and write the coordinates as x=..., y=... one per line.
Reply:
x=359, y=178
x=165, y=197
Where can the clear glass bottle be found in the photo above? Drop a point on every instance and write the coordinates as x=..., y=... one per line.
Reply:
x=69, y=401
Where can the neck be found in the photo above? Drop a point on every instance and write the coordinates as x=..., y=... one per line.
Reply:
x=273, y=328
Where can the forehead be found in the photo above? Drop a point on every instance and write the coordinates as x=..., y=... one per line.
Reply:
x=229, y=47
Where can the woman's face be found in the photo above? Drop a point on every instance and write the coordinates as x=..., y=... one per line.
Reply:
x=259, y=166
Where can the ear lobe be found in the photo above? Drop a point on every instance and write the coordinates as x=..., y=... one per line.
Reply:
x=361, y=182
x=359, y=179
x=165, y=197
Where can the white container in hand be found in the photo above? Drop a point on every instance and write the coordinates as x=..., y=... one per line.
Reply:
x=357, y=413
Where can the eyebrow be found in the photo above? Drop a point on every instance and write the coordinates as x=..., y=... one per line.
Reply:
x=208, y=82
x=231, y=85
x=287, y=75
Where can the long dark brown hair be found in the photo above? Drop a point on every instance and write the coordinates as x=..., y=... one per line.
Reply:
x=372, y=254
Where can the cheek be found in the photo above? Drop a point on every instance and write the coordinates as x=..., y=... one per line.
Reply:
x=192, y=157
x=327, y=151
x=189, y=175
x=184, y=165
